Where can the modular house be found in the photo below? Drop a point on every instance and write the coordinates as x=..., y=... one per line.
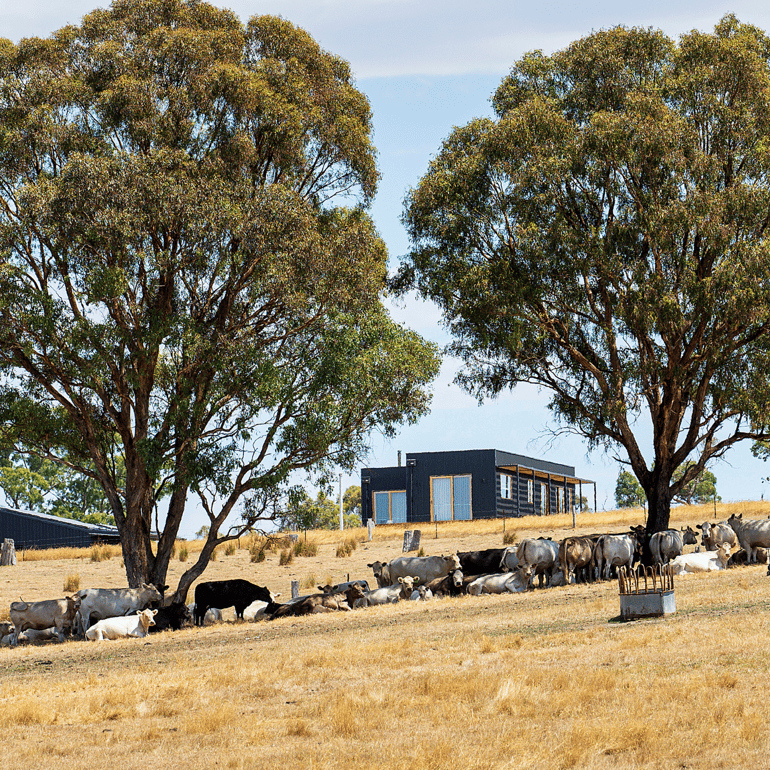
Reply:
x=468, y=484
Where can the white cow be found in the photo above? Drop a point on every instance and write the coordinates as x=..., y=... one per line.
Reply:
x=422, y=568
x=504, y=582
x=714, y=534
x=122, y=627
x=6, y=633
x=50, y=613
x=705, y=561
x=669, y=543
x=751, y=534
x=537, y=557
x=421, y=594
x=614, y=551
x=113, y=602
x=509, y=561
x=389, y=594
x=214, y=615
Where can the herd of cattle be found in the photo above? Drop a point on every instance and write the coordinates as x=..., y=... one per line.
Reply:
x=114, y=613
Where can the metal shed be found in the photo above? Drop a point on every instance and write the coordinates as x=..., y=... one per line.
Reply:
x=29, y=529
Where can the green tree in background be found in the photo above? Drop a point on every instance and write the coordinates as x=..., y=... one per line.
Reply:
x=301, y=511
x=628, y=491
x=702, y=489
x=190, y=283
x=605, y=237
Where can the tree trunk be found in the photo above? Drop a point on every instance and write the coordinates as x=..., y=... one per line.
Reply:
x=658, y=513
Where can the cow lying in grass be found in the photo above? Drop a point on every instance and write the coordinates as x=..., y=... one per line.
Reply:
x=122, y=627
x=315, y=603
x=705, y=561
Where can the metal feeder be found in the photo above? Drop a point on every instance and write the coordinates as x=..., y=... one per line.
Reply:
x=647, y=592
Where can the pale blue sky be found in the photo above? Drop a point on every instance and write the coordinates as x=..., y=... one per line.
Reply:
x=426, y=66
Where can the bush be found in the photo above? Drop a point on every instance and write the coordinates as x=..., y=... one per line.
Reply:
x=509, y=538
x=305, y=548
x=230, y=548
x=286, y=557
x=257, y=554
x=100, y=553
x=183, y=553
x=71, y=583
x=347, y=547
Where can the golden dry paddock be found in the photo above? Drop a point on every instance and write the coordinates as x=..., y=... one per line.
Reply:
x=544, y=680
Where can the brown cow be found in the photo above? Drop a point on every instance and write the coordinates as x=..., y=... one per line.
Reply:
x=323, y=602
x=57, y=613
x=576, y=556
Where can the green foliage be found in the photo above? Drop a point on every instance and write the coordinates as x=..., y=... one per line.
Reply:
x=189, y=279
x=605, y=237
x=303, y=512
x=628, y=491
x=698, y=490
x=31, y=483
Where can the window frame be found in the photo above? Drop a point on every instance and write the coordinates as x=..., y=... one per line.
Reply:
x=452, y=478
x=389, y=493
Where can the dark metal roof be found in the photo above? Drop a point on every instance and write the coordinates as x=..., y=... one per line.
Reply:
x=30, y=529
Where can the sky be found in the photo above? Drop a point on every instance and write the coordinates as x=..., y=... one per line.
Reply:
x=428, y=66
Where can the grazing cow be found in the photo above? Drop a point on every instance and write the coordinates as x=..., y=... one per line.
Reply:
x=449, y=585
x=576, y=558
x=705, y=561
x=751, y=534
x=501, y=583
x=50, y=613
x=712, y=535
x=122, y=627
x=538, y=557
x=669, y=543
x=615, y=551
x=172, y=617
x=315, y=603
x=381, y=573
x=102, y=603
x=475, y=563
x=389, y=594
x=221, y=594
x=422, y=568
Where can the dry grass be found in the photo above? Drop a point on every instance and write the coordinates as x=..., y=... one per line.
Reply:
x=540, y=680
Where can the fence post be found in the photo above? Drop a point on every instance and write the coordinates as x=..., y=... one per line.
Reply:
x=8, y=553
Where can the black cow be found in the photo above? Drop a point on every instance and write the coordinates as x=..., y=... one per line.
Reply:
x=475, y=563
x=171, y=618
x=228, y=593
x=449, y=585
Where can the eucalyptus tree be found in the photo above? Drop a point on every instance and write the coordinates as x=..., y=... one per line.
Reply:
x=190, y=285
x=604, y=237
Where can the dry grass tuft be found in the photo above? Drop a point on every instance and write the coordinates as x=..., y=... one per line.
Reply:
x=230, y=548
x=307, y=548
x=71, y=583
x=100, y=553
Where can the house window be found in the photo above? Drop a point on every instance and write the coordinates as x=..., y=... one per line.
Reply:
x=530, y=490
x=506, y=486
x=450, y=498
x=543, y=499
x=389, y=507
x=559, y=500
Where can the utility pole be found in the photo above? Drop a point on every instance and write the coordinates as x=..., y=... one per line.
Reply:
x=342, y=520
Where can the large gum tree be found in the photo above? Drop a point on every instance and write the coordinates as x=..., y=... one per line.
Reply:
x=190, y=286
x=605, y=237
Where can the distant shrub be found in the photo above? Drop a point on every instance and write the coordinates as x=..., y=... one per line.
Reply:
x=230, y=548
x=286, y=557
x=509, y=538
x=71, y=583
x=305, y=548
x=308, y=581
x=257, y=554
x=100, y=553
x=183, y=553
x=421, y=552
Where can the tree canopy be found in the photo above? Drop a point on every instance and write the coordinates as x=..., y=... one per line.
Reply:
x=605, y=237
x=190, y=284
x=628, y=491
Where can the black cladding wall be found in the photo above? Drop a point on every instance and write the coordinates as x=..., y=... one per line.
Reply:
x=34, y=530
x=484, y=466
